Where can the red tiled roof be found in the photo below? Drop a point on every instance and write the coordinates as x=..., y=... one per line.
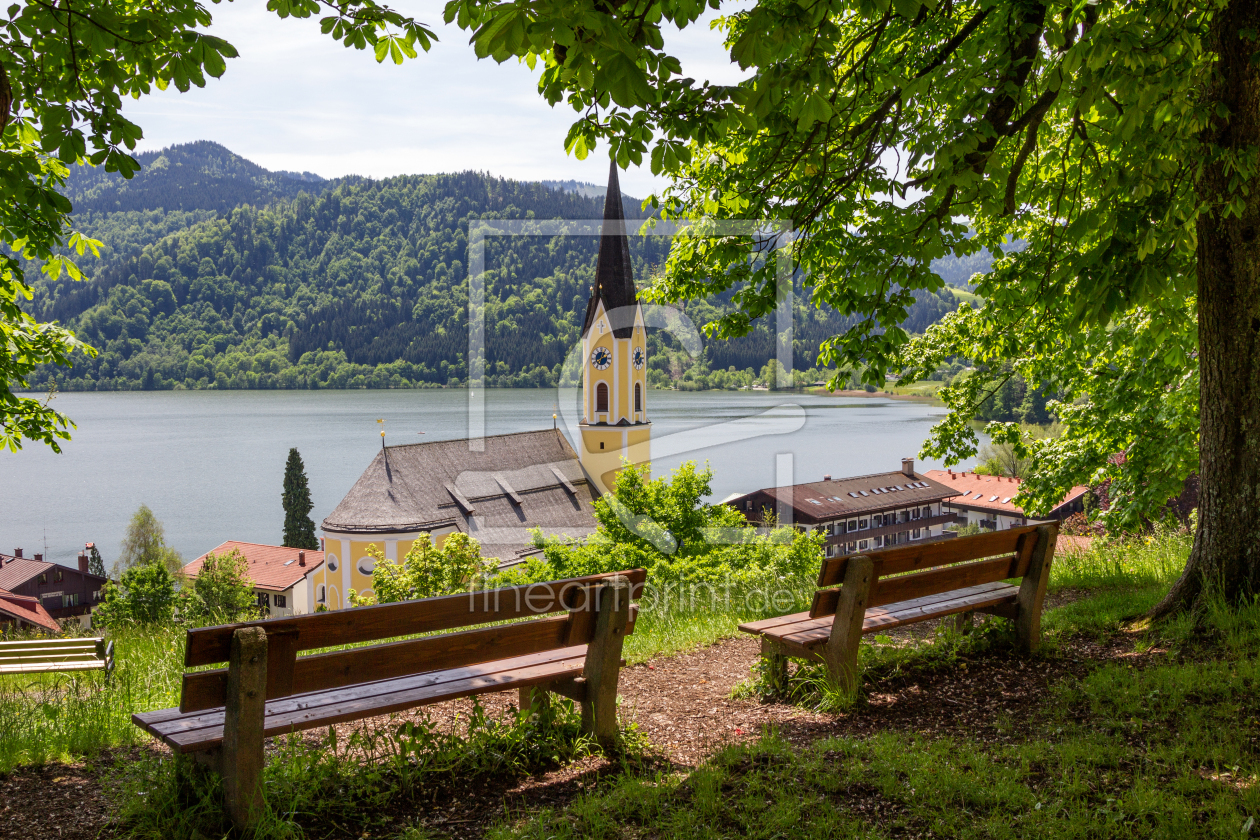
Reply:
x=27, y=609
x=271, y=567
x=989, y=492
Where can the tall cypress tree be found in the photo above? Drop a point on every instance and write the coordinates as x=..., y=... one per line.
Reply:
x=299, y=530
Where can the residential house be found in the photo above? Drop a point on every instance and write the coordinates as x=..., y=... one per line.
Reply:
x=20, y=612
x=64, y=592
x=985, y=500
x=857, y=514
x=282, y=576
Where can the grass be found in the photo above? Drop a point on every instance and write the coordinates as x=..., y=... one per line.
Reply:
x=60, y=717
x=360, y=786
x=967, y=297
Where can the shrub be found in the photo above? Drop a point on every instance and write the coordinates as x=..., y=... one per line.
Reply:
x=428, y=570
x=663, y=526
x=145, y=595
x=221, y=593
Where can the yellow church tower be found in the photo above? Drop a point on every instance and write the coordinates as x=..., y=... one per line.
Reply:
x=614, y=345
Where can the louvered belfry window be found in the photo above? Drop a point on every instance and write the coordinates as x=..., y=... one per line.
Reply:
x=601, y=397
x=638, y=397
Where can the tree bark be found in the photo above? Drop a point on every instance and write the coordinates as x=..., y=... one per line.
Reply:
x=1225, y=559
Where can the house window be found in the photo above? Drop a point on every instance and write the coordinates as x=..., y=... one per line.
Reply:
x=879, y=541
x=927, y=511
x=862, y=544
x=282, y=601
x=917, y=535
x=70, y=600
x=320, y=598
x=59, y=576
x=601, y=397
x=863, y=525
x=264, y=599
x=914, y=514
x=852, y=524
x=638, y=397
x=96, y=595
x=43, y=579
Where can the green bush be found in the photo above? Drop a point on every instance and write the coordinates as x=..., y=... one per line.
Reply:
x=428, y=570
x=663, y=526
x=144, y=596
x=222, y=592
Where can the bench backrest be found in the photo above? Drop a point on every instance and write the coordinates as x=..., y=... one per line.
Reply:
x=937, y=567
x=44, y=654
x=287, y=674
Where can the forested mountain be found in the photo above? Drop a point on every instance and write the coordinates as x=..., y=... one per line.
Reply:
x=355, y=282
x=194, y=176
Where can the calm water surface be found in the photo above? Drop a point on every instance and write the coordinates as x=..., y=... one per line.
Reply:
x=210, y=463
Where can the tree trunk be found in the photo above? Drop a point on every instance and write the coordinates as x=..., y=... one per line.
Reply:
x=1225, y=559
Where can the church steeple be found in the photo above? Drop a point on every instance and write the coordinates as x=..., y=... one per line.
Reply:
x=614, y=275
x=614, y=346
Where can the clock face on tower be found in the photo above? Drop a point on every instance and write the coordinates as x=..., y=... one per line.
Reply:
x=601, y=358
x=638, y=358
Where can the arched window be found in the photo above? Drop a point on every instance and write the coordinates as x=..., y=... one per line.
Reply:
x=601, y=397
x=638, y=397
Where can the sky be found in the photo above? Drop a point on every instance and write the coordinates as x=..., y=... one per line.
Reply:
x=297, y=100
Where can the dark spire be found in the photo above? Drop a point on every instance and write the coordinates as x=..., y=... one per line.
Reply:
x=614, y=277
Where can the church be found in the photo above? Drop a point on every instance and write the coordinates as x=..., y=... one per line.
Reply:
x=511, y=483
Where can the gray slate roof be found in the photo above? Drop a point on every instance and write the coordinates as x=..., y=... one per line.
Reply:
x=843, y=497
x=517, y=482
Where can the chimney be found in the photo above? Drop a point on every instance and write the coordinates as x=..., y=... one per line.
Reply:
x=907, y=467
x=39, y=558
x=17, y=552
x=83, y=563
x=826, y=478
x=301, y=558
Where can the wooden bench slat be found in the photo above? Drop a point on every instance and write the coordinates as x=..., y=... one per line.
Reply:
x=961, y=576
x=918, y=556
x=42, y=644
x=40, y=667
x=210, y=645
x=909, y=612
x=194, y=732
x=794, y=626
x=208, y=689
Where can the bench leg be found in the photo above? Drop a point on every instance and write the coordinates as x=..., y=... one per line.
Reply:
x=963, y=622
x=1032, y=589
x=242, y=752
x=603, y=662
x=190, y=773
x=841, y=650
x=534, y=698
x=774, y=666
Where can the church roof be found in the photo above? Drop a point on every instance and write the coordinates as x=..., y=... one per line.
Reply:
x=517, y=482
x=614, y=276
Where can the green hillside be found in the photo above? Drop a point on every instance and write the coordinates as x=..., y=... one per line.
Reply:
x=218, y=273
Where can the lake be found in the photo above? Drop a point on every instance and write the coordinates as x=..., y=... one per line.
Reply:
x=210, y=463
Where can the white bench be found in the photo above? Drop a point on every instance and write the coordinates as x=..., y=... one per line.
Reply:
x=45, y=655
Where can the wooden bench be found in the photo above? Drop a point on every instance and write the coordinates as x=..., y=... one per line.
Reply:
x=267, y=689
x=45, y=655
x=948, y=577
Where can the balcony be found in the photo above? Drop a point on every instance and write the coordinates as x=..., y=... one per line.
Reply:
x=885, y=530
